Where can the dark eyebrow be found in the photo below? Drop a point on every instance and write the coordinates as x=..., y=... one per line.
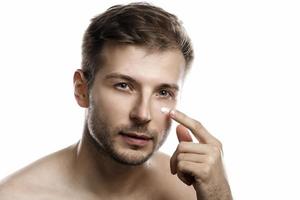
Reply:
x=171, y=86
x=120, y=76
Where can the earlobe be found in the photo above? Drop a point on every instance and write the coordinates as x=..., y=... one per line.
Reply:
x=80, y=89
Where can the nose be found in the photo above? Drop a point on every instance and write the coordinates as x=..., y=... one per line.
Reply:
x=140, y=113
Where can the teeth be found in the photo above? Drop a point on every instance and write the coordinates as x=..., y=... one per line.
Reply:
x=165, y=110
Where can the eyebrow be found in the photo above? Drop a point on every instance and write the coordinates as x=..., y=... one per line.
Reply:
x=120, y=76
x=171, y=86
x=130, y=79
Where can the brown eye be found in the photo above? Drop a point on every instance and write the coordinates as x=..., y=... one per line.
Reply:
x=165, y=93
x=122, y=86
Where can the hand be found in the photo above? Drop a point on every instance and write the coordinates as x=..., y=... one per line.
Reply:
x=199, y=164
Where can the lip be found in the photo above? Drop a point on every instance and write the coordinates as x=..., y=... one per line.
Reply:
x=135, y=138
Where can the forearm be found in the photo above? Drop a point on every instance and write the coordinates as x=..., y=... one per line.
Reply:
x=215, y=193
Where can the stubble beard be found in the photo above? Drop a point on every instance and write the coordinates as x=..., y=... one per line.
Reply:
x=102, y=134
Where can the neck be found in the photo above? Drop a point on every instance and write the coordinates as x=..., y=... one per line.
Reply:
x=96, y=171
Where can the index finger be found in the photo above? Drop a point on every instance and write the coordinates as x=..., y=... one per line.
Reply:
x=198, y=130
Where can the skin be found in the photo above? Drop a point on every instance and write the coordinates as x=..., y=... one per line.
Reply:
x=126, y=97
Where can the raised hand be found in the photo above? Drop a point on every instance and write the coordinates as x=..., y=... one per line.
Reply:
x=199, y=164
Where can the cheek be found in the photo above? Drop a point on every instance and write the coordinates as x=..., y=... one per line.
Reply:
x=162, y=120
x=114, y=107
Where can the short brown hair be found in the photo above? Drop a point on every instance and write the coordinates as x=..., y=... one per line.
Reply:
x=137, y=24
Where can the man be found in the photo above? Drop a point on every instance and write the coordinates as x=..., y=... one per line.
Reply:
x=134, y=60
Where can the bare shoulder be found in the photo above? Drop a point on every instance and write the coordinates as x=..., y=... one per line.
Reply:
x=36, y=179
x=168, y=184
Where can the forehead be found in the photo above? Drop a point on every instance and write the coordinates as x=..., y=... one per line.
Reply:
x=142, y=64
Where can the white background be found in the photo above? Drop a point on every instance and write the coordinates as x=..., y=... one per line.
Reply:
x=244, y=86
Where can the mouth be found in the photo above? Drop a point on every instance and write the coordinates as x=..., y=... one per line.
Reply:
x=136, y=139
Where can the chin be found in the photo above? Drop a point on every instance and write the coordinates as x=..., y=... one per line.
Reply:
x=131, y=156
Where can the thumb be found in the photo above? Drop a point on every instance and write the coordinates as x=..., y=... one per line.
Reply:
x=183, y=134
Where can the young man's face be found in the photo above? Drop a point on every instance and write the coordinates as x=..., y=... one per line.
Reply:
x=128, y=92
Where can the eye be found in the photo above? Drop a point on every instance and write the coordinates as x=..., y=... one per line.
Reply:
x=122, y=86
x=165, y=93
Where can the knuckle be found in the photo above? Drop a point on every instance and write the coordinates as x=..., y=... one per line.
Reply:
x=180, y=157
x=216, y=151
x=181, y=147
x=210, y=160
x=219, y=144
x=180, y=165
x=197, y=126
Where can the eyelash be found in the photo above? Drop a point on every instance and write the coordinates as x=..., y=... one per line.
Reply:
x=121, y=84
x=170, y=94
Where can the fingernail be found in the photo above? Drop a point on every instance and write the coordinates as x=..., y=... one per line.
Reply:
x=165, y=110
x=172, y=113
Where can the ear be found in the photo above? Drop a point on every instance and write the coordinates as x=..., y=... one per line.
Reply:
x=81, y=92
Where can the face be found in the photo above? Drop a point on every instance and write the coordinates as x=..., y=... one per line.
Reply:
x=124, y=116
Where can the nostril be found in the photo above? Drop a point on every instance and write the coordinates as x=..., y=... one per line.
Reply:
x=140, y=117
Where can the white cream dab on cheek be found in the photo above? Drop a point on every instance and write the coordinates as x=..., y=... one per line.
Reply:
x=165, y=110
